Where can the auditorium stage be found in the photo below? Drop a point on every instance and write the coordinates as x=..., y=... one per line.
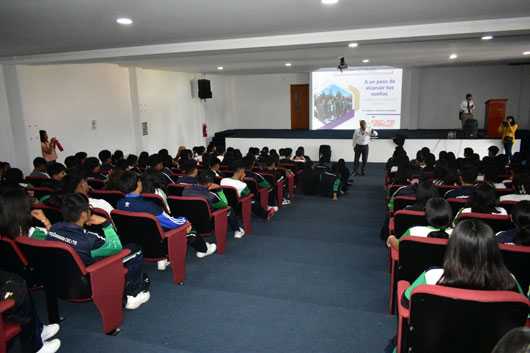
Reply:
x=381, y=148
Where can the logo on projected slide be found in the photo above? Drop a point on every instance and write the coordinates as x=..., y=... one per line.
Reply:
x=335, y=105
x=383, y=123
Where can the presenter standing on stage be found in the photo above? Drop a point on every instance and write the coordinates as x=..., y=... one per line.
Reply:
x=466, y=109
x=361, y=139
x=507, y=129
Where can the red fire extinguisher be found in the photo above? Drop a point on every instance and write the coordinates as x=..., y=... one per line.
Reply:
x=204, y=130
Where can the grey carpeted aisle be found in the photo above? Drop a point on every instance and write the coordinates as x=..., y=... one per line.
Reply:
x=314, y=279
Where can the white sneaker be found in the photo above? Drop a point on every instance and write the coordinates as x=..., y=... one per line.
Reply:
x=139, y=299
x=238, y=234
x=162, y=264
x=50, y=346
x=48, y=331
x=210, y=249
x=275, y=208
x=286, y=202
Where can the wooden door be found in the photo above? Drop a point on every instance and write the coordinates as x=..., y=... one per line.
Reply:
x=300, y=107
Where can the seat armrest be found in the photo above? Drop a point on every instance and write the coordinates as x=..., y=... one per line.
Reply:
x=402, y=287
x=394, y=254
x=247, y=198
x=6, y=304
x=391, y=226
x=221, y=211
x=108, y=260
x=177, y=231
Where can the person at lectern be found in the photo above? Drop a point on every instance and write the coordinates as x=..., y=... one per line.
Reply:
x=466, y=109
x=361, y=139
x=507, y=129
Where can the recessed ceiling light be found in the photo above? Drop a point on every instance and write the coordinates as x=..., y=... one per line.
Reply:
x=329, y=2
x=288, y=64
x=366, y=60
x=488, y=37
x=353, y=45
x=124, y=21
x=526, y=52
x=220, y=68
x=453, y=56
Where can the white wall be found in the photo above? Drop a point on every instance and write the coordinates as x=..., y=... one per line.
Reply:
x=7, y=152
x=264, y=101
x=431, y=96
x=64, y=99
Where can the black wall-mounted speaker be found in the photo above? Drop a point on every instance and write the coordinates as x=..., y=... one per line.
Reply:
x=205, y=90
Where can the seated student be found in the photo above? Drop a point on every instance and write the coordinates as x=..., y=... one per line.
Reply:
x=321, y=167
x=214, y=195
x=191, y=171
x=132, y=160
x=106, y=160
x=270, y=168
x=429, y=162
x=155, y=163
x=93, y=168
x=39, y=168
x=344, y=174
x=220, y=153
x=81, y=158
x=34, y=336
x=414, y=176
x=438, y=214
x=71, y=163
x=167, y=164
x=131, y=185
x=491, y=175
x=299, y=155
x=520, y=235
x=13, y=178
x=152, y=184
x=330, y=184
x=91, y=247
x=492, y=153
x=75, y=182
x=236, y=181
x=57, y=171
x=468, y=176
x=288, y=153
x=214, y=164
x=482, y=200
x=472, y=261
x=117, y=156
x=248, y=163
x=521, y=187
x=424, y=192
x=310, y=180
x=112, y=181
x=515, y=341
x=199, y=153
x=445, y=173
x=142, y=160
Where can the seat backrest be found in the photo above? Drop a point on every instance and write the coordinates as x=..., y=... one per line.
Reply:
x=401, y=202
x=96, y=184
x=496, y=222
x=252, y=185
x=269, y=177
x=456, y=205
x=57, y=266
x=35, y=181
x=195, y=209
x=502, y=192
x=517, y=260
x=507, y=205
x=176, y=189
x=232, y=198
x=142, y=229
x=53, y=214
x=416, y=254
x=11, y=257
x=444, y=319
x=292, y=167
x=40, y=192
x=111, y=196
x=443, y=189
x=156, y=199
x=394, y=188
x=405, y=219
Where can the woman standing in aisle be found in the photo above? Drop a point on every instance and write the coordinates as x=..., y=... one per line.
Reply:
x=507, y=129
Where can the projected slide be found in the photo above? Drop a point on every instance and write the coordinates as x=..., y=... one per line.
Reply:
x=341, y=99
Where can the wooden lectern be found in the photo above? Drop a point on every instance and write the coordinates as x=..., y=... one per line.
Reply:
x=495, y=115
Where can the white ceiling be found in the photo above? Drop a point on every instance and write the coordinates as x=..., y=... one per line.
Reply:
x=246, y=36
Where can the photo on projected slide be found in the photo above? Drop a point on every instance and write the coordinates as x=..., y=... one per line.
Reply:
x=341, y=99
